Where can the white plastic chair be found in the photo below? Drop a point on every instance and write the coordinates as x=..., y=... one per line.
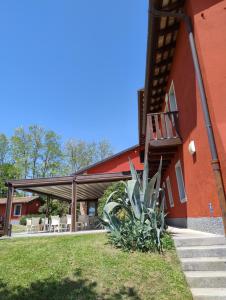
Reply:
x=55, y=223
x=28, y=224
x=35, y=223
x=69, y=221
x=83, y=221
x=92, y=221
x=45, y=224
x=63, y=223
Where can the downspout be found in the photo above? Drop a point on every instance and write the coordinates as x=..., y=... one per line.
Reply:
x=212, y=143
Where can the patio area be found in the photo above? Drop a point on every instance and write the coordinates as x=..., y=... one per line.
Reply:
x=72, y=189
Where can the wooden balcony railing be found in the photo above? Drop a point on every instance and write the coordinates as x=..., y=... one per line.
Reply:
x=162, y=129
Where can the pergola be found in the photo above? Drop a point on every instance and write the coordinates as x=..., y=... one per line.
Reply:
x=72, y=189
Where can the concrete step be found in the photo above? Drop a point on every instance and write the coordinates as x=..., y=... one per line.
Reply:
x=204, y=264
x=209, y=294
x=204, y=241
x=206, y=279
x=202, y=251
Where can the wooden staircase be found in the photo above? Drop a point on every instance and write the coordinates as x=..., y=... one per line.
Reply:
x=162, y=139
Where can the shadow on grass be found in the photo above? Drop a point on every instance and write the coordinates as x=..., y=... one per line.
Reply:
x=66, y=289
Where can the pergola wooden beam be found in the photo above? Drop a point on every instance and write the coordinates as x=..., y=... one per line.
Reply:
x=73, y=206
x=7, y=229
x=25, y=183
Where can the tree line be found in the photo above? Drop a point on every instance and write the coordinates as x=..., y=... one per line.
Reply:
x=36, y=152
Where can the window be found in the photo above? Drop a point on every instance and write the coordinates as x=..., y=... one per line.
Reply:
x=17, y=210
x=180, y=182
x=172, y=98
x=92, y=208
x=169, y=190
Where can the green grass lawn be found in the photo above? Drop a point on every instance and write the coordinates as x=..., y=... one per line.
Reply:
x=86, y=268
x=18, y=228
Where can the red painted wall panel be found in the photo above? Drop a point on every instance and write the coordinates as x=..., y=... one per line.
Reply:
x=27, y=208
x=119, y=163
x=210, y=35
x=210, y=31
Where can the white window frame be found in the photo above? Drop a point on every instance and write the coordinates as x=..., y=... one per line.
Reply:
x=172, y=91
x=169, y=190
x=182, y=199
x=14, y=210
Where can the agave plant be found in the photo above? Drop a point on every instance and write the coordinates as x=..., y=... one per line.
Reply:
x=144, y=226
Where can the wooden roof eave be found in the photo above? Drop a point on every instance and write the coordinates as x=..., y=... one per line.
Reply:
x=154, y=32
x=149, y=58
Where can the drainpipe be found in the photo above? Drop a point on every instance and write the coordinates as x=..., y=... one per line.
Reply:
x=212, y=144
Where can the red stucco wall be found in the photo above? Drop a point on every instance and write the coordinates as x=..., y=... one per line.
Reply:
x=210, y=31
x=119, y=163
x=27, y=208
x=210, y=35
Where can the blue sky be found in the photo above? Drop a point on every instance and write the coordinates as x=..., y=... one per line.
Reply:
x=73, y=66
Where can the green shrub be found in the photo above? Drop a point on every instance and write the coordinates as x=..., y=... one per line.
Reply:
x=23, y=219
x=134, y=236
x=56, y=207
x=167, y=242
x=118, y=188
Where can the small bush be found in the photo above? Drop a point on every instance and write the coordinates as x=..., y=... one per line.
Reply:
x=23, y=219
x=167, y=242
x=135, y=236
x=119, y=187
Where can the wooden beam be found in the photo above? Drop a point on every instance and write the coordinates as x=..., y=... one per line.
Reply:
x=73, y=206
x=169, y=29
x=7, y=229
x=25, y=183
x=157, y=156
x=164, y=62
x=99, y=178
x=166, y=48
x=47, y=206
x=165, y=142
x=158, y=95
x=45, y=194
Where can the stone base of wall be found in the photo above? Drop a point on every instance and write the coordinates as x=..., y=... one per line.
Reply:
x=212, y=225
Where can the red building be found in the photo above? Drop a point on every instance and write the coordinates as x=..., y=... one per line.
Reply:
x=182, y=109
x=118, y=162
x=21, y=206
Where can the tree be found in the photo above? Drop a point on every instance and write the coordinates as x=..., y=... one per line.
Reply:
x=21, y=151
x=7, y=171
x=80, y=154
x=36, y=134
x=4, y=148
x=52, y=155
x=104, y=150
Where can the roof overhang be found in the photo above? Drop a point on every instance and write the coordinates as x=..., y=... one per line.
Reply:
x=161, y=43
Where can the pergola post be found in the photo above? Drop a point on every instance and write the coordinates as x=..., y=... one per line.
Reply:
x=7, y=230
x=73, y=206
x=47, y=206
